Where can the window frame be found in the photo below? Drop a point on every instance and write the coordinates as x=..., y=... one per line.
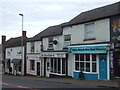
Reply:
x=32, y=48
x=32, y=65
x=67, y=40
x=88, y=31
x=50, y=43
x=54, y=67
x=91, y=62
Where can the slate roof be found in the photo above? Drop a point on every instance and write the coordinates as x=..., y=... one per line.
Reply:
x=13, y=42
x=96, y=14
x=50, y=31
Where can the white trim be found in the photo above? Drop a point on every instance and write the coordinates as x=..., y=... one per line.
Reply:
x=98, y=70
x=90, y=45
x=108, y=66
x=57, y=74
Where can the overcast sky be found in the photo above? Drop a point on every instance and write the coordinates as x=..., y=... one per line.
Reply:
x=40, y=14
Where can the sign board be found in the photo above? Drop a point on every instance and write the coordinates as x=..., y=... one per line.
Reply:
x=33, y=57
x=53, y=54
x=96, y=49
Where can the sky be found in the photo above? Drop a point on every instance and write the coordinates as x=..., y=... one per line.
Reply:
x=40, y=14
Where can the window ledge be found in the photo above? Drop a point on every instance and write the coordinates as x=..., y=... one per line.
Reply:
x=88, y=39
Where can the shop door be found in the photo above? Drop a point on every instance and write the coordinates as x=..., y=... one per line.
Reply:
x=117, y=63
x=38, y=68
x=103, y=67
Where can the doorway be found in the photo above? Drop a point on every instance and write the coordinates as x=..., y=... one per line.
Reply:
x=103, y=67
x=38, y=68
x=117, y=63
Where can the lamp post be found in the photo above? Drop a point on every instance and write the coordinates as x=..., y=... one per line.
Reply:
x=22, y=71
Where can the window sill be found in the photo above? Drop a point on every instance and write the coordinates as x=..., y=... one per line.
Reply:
x=88, y=39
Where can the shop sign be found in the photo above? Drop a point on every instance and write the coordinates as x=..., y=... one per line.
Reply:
x=61, y=55
x=97, y=49
x=33, y=57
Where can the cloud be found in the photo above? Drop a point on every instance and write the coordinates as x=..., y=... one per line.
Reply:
x=39, y=14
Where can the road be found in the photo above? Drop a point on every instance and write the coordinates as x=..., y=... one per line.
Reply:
x=14, y=82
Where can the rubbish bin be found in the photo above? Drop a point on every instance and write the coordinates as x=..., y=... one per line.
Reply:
x=76, y=75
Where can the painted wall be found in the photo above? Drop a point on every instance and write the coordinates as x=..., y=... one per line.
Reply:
x=59, y=46
x=102, y=32
x=70, y=64
x=32, y=72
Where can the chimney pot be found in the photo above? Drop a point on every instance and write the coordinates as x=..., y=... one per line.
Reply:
x=3, y=38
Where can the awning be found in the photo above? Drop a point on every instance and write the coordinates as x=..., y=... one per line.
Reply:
x=6, y=60
x=16, y=61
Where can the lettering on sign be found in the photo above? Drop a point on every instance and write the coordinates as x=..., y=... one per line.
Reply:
x=53, y=55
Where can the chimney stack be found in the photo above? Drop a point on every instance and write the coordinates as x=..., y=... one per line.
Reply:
x=24, y=33
x=3, y=39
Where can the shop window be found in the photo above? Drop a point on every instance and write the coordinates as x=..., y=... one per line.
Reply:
x=77, y=57
x=76, y=66
x=58, y=65
x=81, y=66
x=86, y=62
x=87, y=57
x=81, y=57
x=32, y=65
x=89, y=30
x=51, y=70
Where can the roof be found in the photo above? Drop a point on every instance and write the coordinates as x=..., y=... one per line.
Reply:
x=13, y=42
x=50, y=31
x=95, y=14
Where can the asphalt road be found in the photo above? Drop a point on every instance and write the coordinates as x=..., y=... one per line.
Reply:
x=14, y=82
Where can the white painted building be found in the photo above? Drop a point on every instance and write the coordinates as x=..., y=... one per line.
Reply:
x=15, y=55
x=15, y=60
x=34, y=63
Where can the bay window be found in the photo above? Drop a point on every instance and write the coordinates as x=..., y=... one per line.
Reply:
x=58, y=65
x=86, y=62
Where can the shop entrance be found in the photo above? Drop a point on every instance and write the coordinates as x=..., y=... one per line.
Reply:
x=117, y=63
x=103, y=67
x=38, y=68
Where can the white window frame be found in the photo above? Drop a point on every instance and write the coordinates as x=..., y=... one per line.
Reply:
x=32, y=48
x=86, y=62
x=89, y=31
x=50, y=43
x=61, y=66
x=68, y=41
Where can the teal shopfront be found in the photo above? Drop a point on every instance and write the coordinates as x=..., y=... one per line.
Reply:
x=92, y=61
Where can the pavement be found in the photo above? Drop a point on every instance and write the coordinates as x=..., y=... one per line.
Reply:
x=89, y=83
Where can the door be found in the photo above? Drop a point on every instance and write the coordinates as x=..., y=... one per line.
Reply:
x=103, y=67
x=38, y=68
x=117, y=63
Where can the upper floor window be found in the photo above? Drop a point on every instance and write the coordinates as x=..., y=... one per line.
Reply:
x=50, y=43
x=67, y=40
x=32, y=46
x=89, y=31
